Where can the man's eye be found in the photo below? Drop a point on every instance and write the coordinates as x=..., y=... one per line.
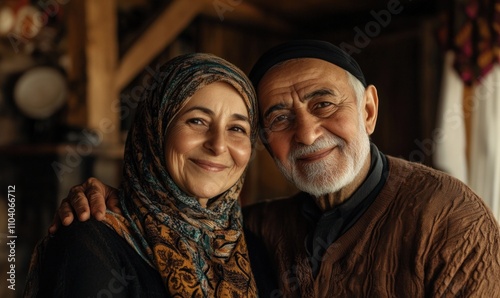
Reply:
x=324, y=109
x=323, y=104
x=280, y=122
x=280, y=118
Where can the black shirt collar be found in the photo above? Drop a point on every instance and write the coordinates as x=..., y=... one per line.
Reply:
x=330, y=225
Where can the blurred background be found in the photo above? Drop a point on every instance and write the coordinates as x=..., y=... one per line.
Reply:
x=72, y=72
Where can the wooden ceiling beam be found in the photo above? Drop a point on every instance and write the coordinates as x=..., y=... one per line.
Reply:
x=177, y=16
x=242, y=12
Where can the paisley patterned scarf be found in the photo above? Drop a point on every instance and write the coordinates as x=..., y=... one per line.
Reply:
x=199, y=252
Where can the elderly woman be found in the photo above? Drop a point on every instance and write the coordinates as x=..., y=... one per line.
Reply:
x=180, y=234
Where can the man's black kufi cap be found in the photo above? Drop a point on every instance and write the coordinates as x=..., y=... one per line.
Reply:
x=305, y=49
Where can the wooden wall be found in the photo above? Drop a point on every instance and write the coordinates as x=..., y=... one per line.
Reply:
x=404, y=63
x=402, y=60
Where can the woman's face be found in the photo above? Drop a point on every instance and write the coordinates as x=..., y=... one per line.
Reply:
x=207, y=146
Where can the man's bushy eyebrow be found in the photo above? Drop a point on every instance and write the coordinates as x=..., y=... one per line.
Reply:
x=308, y=96
x=279, y=106
x=319, y=92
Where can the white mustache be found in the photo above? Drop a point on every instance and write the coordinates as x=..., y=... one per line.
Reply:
x=328, y=141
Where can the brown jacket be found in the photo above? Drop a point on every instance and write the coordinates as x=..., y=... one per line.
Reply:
x=425, y=235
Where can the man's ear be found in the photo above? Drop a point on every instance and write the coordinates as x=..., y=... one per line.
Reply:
x=370, y=108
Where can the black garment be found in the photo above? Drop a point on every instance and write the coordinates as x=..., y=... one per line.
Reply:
x=263, y=272
x=107, y=266
x=88, y=259
x=329, y=226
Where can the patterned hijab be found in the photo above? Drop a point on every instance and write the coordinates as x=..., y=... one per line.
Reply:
x=197, y=251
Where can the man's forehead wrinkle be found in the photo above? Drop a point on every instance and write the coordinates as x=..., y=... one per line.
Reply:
x=301, y=93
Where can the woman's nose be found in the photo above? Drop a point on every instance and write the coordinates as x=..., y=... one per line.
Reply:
x=216, y=141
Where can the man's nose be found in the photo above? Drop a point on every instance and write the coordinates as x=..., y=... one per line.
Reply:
x=307, y=128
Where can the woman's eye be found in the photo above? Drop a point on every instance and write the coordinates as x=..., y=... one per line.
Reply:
x=196, y=121
x=239, y=129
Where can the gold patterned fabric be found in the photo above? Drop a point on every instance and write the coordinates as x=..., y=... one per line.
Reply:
x=199, y=252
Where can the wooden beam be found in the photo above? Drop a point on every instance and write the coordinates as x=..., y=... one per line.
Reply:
x=244, y=13
x=76, y=111
x=177, y=16
x=102, y=55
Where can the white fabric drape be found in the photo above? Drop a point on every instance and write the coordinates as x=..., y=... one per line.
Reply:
x=484, y=172
x=450, y=153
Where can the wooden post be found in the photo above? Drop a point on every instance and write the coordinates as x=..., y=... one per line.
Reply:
x=76, y=112
x=102, y=58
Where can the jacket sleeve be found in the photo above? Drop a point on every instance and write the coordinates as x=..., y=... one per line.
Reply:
x=465, y=251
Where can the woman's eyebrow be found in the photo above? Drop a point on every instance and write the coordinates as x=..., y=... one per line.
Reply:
x=211, y=113
x=241, y=117
x=201, y=109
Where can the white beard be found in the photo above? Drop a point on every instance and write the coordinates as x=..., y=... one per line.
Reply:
x=329, y=174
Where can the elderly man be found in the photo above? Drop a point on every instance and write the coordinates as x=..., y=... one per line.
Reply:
x=364, y=224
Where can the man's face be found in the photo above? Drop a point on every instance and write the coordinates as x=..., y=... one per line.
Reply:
x=316, y=130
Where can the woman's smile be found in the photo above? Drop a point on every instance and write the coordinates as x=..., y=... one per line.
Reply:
x=209, y=166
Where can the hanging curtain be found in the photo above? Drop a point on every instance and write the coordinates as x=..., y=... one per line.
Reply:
x=471, y=77
x=450, y=153
x=484, y=171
